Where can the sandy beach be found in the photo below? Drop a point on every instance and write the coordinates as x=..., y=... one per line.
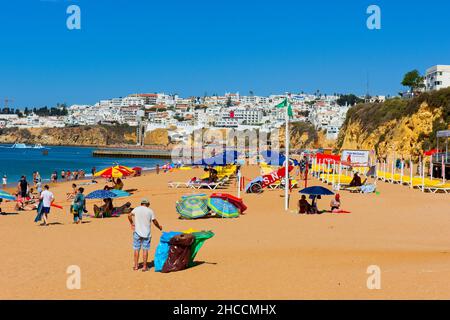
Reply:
x=265, y=254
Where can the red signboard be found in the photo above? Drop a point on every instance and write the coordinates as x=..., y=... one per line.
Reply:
x=275, y=176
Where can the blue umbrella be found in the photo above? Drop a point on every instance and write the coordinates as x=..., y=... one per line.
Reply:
x=101, y=194
x=223, y=208
x=120, y=193
x=221, y=159
x=317, y=191
x=275, y=159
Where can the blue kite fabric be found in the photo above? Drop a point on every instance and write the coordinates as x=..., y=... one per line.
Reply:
x=39, y=212
x=176, y=250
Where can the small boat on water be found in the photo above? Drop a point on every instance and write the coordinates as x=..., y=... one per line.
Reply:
x=24, y=146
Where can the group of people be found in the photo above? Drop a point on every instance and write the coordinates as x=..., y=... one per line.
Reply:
x=304, y=207
x=67, y=175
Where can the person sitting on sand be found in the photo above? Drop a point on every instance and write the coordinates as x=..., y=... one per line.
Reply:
x=335, y=204
x=123, y=209
x=356, y=181
x=71, y=195
x=105, y=210
x=118, y=185
x=25, y=206
x=303, y=205
x=313, y=207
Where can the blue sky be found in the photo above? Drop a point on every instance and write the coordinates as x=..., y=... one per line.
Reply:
x=197, y=47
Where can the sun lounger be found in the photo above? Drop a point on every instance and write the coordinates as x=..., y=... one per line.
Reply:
x=177, y=184
x=436, y=188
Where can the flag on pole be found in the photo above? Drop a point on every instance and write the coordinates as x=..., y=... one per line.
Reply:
x=285, y=104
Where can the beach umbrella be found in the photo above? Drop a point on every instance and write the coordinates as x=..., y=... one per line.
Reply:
x=101, y=194
x=221, y=159
x=6, y=196
x=237, y=202
x=192, y=207
x=120, y=193
x=275, y=159
x=317, y=191
x=197, y=195
x=223, y=208
x=115, y=172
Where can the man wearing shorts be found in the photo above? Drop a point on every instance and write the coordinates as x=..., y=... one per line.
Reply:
x=47, y=199
x=143, y=217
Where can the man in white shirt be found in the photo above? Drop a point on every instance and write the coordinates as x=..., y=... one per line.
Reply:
x=143, y=217
x=47, y=198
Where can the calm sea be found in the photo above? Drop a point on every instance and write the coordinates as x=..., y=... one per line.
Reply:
x=17, y=162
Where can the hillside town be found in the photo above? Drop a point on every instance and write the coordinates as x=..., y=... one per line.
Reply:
x=150, y=111
x=184, y=115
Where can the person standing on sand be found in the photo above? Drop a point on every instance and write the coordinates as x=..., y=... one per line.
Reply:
x=63, y=175
x=93, y=171
x=47, y=198
x=78, y=206
x=157, y=169
x=143, y=217
x=5, y=181
x=22, y=187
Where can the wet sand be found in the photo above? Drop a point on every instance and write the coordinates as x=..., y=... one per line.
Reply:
x=266, y=254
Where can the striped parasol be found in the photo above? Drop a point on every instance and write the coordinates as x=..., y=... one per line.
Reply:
x=223, y=208
x=115, y=172
x=192, y=207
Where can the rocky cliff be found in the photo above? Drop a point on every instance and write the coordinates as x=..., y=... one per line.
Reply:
x=79, y=136
x=406, y=127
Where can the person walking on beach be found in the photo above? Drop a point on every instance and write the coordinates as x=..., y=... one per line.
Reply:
x=78, y=206
x=5, y=181
x=157, y=169
x=143, y=217
x=47, y=198
x=93, y=171
x=38, y=177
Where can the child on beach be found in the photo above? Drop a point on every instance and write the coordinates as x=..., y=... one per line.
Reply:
x=78, y=206
x=335, y=204
x=72, y=195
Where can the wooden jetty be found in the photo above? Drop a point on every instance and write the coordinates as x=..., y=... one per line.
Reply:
x=132, y=153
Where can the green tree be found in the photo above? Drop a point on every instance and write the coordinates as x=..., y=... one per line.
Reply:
x=348, y=99
x=413, y=80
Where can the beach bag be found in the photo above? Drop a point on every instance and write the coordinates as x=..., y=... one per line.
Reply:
x=179, y=253
x=162, y=250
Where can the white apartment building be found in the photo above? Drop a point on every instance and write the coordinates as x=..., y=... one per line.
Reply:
x=437, y=77
x=248, y=116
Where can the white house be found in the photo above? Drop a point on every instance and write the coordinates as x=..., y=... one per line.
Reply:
x=437, y=77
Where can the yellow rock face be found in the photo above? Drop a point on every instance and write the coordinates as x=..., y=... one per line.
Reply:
x=404, y=137
x=157, y=137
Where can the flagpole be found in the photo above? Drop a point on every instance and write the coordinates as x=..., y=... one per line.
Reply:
x=286, y=165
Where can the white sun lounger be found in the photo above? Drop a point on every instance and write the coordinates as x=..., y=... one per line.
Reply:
x=177, y=184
